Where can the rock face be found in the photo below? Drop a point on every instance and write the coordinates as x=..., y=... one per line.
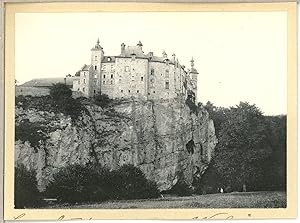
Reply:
x=163, y=138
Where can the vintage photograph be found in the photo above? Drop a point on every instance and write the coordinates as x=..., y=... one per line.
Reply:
x=150, y=110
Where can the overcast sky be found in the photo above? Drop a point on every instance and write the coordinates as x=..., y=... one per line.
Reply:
x=240, y=56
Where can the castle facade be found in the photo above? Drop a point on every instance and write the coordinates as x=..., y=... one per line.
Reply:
x=136, y=74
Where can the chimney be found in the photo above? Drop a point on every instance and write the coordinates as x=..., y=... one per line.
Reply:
x=173, y=57
x=123, y=49
x=150, y=55
x=165, y=55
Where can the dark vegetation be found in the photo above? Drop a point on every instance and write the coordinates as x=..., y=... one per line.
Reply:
x=26, y=192
x=78, y=183
x=250, y=154
x=181, y=188
x=59, y=100
x=191, y=104
x=102, y=100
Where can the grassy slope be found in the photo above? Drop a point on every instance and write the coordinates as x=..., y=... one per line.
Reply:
x=268, y=199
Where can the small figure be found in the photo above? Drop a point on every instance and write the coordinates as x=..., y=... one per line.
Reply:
x=221, y=190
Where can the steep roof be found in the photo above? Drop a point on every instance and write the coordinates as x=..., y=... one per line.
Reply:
x=129, y=50
x=194, y=71
x=86, y=67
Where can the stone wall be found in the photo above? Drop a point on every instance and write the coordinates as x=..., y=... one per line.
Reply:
x=109, y=79
x=131, y=78
x=33, y=91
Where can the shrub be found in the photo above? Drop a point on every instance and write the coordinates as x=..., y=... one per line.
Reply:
x=194, y=108
x=129, y=182
x=77, y=183
x=62, y=96
x=102, y=100
x=60, y=91
x=32, y=132
x=26, y=192
x=181, y=188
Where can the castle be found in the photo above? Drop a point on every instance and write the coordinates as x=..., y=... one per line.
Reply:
x=135, y=74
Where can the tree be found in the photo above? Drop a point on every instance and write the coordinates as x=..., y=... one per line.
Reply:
x=102, y=100
x=217, y=114
x=243, y=145
x=26, y=192
x=60, y=92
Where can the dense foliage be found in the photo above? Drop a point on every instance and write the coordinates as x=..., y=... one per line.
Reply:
x=59, y=100
x=251, y=151
x=102, y=100
x=26, y=192
x=191, y=104
x=77, y=183
x=34, y=133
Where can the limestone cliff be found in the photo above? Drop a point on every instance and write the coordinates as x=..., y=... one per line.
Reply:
x=162, y=138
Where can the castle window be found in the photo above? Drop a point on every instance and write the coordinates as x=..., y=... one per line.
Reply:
x=167, y=73
x=149, y=93
x=167, y=85
x=111, y=82
x=152, y=83
x=95, y=67
x=103, y=82
x=108, y=59
x=142, y=78
x=83, y=89
x=78, y=89
x=128, y=91
x=122, y=91
x=126, y=68
x=103, y=76
x=84, y=81
x=94, y=91
x=112, y=76
x=153, y=92
x=137, y=91
x=152, y=71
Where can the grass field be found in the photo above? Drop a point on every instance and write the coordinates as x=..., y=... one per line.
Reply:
x=262, y=199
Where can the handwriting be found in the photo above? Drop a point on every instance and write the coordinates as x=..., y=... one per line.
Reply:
x=228, y=217
x=19, y=216
x=214, y=216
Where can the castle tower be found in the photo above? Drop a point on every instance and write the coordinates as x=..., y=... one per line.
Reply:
x=194, y=77
x=97, y=55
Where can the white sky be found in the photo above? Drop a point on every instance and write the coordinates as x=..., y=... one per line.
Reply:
x=240, y=56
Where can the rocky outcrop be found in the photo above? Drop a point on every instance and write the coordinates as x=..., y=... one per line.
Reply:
x=163, y=138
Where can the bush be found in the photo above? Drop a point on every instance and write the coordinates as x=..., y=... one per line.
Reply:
x=102, y=100
x=194, y=108
x=32, y=132
x=129, y=182
x=62, y=96
x=181, y=188
x=77, y=183
x=26, y=192
x=60, y=91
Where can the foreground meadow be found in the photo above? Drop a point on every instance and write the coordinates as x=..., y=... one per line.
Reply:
x=262, y=199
